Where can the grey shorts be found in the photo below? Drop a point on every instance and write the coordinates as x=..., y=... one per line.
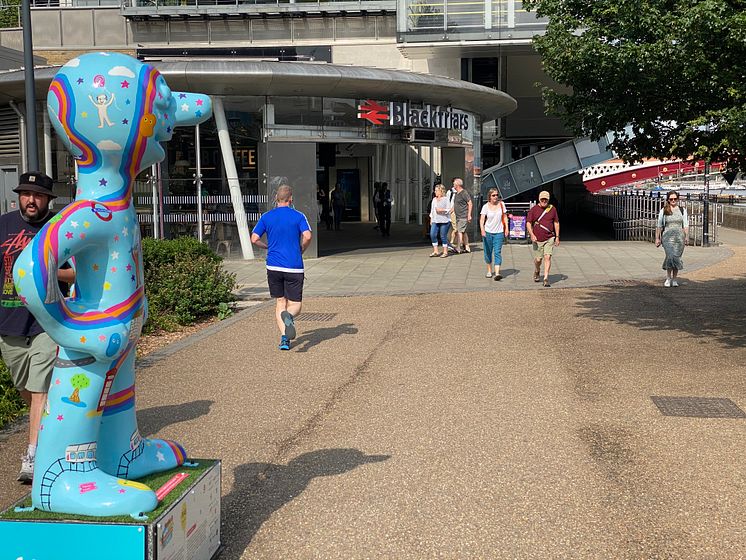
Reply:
x=461, y=224
x=30, y=364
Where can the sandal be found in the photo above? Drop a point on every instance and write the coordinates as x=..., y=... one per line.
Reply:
x=434, y=254
x=546, y=283
x=443, y=255
x=537, y=278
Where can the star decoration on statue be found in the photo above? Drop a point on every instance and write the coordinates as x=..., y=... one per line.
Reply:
x=95, y=268
x=80, y=81
x=103, y=182
x=182, y=95
x=161, y=457
x=60, y=417
x=102, y=337
x=185, y=107
x=86, y=224
x=168, y=129
x=113, y=268
x=125, y=231
x=84, y=114
x=82, y=235
x=198, y=113
x=83, y=339
x=129, y=267
x=125, y=121
x=116, y=238
x=67, y=252
x=107, y=286
x=132, y=277
x=115, y=255
x=126, y=101
x=73, y=224
x=199, y=102
x=125, y=84
x=69, y=235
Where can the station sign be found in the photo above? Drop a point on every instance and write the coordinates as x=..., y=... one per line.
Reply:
x=403, y=113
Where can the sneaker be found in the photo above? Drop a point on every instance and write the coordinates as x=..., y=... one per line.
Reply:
x=488, y=275
x=674, y=284
x=467, y=249
x=667, y=283
x=27, y=469
x=287, y=318
x=498, y=277
x=284, y=343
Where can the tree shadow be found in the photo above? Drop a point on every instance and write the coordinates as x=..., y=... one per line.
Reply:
x=713, y=309
x=153, y=420
x=309, y=339
x=260, y=489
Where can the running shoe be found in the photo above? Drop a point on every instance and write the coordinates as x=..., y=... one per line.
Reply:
x=289, y=322
x=667, y=283
x=284, y=343
x=674, y=284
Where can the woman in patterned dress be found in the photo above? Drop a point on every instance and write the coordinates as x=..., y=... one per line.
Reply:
x=672, y=231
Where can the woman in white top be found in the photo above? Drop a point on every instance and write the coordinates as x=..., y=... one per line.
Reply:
x=493, y=222
x=672, y=232
x=440, y=221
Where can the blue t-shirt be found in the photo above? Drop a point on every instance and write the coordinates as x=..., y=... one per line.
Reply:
x=283, y=226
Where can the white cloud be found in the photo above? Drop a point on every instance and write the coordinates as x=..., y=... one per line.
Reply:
x=72, y=63
x=121, y=71
x=108, y=145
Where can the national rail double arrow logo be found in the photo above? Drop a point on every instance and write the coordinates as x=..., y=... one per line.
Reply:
x=373, y=112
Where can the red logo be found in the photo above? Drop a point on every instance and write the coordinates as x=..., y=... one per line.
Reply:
x=373, y=112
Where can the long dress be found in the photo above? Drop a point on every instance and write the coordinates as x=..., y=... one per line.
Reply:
x=672, y=238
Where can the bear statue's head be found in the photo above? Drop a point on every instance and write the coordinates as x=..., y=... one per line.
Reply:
x=112, y=112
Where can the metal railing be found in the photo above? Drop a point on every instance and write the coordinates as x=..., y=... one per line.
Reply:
x=634, y=216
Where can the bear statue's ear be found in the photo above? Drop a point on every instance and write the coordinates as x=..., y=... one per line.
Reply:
x=191, y=108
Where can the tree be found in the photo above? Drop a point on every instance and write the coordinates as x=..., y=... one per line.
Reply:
x=10, y=13
x=78, y=381
x=673, y=70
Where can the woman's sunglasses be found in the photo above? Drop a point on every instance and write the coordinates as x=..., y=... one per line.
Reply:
x=672, y=199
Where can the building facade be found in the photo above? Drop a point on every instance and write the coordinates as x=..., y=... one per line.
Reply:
x=319, y=93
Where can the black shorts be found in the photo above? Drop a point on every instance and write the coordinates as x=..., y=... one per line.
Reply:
x=285, y=284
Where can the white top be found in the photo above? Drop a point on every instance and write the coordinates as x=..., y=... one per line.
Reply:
x=441, y=203
x=494, y=221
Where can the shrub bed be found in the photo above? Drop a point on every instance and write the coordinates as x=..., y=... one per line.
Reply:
x=184, y=282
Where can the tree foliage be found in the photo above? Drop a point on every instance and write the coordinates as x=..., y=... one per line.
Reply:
x=673, y=70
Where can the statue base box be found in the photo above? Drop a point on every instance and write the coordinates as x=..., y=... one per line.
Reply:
x=184, y=526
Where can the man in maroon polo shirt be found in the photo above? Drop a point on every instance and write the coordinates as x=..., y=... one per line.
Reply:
x=543, y=226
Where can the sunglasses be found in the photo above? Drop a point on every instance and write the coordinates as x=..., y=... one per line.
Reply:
x=672, y=199
x=493, y=195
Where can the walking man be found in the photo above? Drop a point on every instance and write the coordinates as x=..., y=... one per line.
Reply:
x=26, y=349
x=462, y=206
x=288, y=236
x=543, y=226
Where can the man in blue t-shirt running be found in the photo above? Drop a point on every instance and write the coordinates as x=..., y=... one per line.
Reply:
x=288, y=236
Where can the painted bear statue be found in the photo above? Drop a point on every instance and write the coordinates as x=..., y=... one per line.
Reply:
x=112, y=112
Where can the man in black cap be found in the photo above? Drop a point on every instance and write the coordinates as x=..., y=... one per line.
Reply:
x=26, y=349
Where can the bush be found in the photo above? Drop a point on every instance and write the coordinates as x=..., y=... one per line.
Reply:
x=184, y=282
x=11, y=403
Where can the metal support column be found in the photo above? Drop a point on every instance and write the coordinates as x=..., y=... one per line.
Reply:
x=419, y=185
x=232, y=176
x=32, y=142
x=198, y=183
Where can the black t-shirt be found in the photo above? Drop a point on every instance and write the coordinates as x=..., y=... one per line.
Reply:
x=15, y=234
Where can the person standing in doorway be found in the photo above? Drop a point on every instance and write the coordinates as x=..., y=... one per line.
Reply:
x=338, y=204
x=26, y=349
x=672, y=231
x=376, y=200
x=384, y=210
x=452, y=216
x=462, y=207
x=543, y=226
x=493, y=221
x=288, y=236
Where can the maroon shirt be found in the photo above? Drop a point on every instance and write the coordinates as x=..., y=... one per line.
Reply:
x=547, y=221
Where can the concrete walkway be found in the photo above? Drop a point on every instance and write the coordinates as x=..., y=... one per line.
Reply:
x=404, y=270
x=489, y=423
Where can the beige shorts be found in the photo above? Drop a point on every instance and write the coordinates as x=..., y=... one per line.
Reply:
x=541, y=248
x=30, y=364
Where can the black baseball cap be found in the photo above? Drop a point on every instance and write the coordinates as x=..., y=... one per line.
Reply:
x=37, y=182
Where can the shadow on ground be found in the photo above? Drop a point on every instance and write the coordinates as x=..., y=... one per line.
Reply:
x=260, y=489
x=309, y=339
x=712, y=309
x=153, y=420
